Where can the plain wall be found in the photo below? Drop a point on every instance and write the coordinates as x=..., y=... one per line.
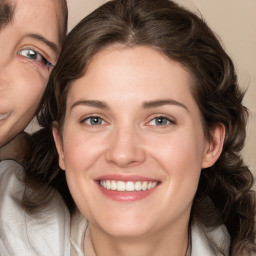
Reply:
x=234, y=21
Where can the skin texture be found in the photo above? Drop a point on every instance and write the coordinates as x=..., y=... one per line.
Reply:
x=126, y=90
x=28, y=44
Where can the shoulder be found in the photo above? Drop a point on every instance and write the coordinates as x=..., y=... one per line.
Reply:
x=25, y=234
x=10, y=177
x=10, y=166
x=209, y=241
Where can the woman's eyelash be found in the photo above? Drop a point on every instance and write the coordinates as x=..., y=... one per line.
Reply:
x=34, y=55
x=46, y=62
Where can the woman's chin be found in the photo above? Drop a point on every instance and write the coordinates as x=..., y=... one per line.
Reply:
x=124, y=229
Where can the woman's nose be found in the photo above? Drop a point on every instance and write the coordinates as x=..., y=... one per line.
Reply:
x=125, y=148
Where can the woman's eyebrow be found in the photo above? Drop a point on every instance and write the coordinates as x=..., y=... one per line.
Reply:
x=146, y=104
x=91, y=103
x=162, y=102
x=42, y=39
x=7, y=11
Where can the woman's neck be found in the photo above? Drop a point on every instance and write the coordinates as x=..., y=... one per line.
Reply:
x=170, y=242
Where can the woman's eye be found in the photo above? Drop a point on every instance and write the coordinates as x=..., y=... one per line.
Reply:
x=94, y=120
x=160, y=121
x=33, y=55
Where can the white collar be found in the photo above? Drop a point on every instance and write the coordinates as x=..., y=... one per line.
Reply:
x=219, y=237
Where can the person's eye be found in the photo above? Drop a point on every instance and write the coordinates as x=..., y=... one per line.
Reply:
x=93, y=120
x=34, y=55
x=160, y=121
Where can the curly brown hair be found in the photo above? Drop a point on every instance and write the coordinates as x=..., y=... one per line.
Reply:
x=224, y=193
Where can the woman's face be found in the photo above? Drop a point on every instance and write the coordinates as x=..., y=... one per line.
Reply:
x=133, y=144
x=28, y=44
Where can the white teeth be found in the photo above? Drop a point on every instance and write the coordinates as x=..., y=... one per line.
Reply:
x=120, y=186
x=144, y=185
x=113, y=185
x=108, y=184
x=127, y=186
x=138, y=186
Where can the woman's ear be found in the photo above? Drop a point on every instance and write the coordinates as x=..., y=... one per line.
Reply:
x=214, y=146
x=59, y=145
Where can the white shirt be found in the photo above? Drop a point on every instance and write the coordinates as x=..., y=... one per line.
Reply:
x=23, y=235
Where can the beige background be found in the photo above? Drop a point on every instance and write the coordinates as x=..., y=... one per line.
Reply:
x=235, y=22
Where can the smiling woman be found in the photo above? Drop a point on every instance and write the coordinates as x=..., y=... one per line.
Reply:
x=129, y=146
x=31, y=36
x=29, y=49
x=148, y=122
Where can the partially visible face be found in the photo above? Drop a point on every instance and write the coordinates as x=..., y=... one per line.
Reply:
x=133, y=144
x=29, y=45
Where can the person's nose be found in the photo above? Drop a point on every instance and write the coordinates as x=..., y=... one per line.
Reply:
x=125, y=148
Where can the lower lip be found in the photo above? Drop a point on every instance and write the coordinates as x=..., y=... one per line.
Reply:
x=125, y=195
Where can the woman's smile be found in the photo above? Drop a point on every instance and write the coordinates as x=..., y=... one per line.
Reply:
x=126, y=188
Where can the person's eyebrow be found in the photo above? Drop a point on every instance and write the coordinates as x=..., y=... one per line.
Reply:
x=42, y=39
x=162, y=102
x=7, y=11
x=91, y=103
